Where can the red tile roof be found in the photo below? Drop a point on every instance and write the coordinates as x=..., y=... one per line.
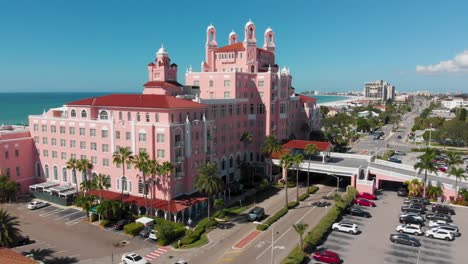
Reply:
x=11, y=257
x=166, y=84
x=301, y=144
x=239, y=46
x=305, y=99
x=138, y=101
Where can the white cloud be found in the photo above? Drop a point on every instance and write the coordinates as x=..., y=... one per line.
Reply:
x=458, y=64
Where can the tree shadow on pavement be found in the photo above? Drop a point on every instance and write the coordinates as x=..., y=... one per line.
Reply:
x=45, y=255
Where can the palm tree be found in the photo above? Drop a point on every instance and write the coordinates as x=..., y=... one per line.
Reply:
x=453, y=159
x=286, y=162
x=459, y=174
x=153, y=170
x=86, y=185
x=122, y=157
x=208, y=182
x=310, y=150
x=414, y=187
x=165, y=171
x=270, y=146
x=84, y=166
x=300, y=228
x=298, y=159
x=101, y=182
x=72, y=164
x=141, y=162
x=246, y=138
x=9, y=231
x=425, y=163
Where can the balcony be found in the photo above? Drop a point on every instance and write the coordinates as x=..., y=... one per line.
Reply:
x=179, y=143
x=179, y=159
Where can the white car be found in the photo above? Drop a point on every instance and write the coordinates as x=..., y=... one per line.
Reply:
x=410, y=229
x=435, y=223
x=451, y=229
x=133, y=258
x=153, y=235
x=36, y=205
x=346, y=227
x=440, y=234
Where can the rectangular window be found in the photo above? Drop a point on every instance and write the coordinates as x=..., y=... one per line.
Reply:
x=83, y=157
x=161, y=153
x=127, y=135
x=53, y=142
x=129, y=116
x=105, y=162
x=53, y=129
x=73, y=156
x=147, y=117
x=44, y=128
x=6, y=154
x=72, y=130
x=16, y=152
x=227, y=83
x=142, y=150
x=117, y=134
x=18, y=172
x=156, y=117
x=211, y=83
x=260, y=83
x=120, y=116
x=82, y=131
x=227, y=95
x=36, y=140
x=63, y=155
x=211, y=95
x=36, y=127
x=196, y=83
x=82, y=145
x=93, y=146
x=8, y=172
x=63, y=143
x=142, y=137
x=160, y=138
x=62, y=130
x=94, y=160
x=46, y=153
x=72, y=144
x=129, y=165
x=54, y=154
x=105, y=133
x=105, y=148
x=92, y=132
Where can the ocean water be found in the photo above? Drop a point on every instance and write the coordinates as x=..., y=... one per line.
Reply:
x=16, y=107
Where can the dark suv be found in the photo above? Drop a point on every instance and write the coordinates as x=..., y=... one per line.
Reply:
x=359, y=212
x=442, y=209
x=405, y=239
x=434, y=216
x=256, y=214
x=414, y=208
x=409, y=219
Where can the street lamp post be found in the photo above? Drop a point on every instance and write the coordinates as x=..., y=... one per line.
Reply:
x=430, y=134
x=337, y=181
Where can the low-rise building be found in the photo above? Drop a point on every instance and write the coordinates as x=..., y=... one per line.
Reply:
x=454, y=102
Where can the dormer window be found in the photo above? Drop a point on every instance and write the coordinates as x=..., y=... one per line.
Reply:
x=104, y=115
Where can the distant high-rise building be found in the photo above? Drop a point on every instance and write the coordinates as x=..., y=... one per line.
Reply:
x=379, y=89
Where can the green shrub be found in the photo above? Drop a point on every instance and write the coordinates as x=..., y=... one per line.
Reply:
x=168, y=232
x=133, y=228
x=303, y=196
x=272, y=219
x=292, y=204
x=295, y=257
x=220, y=214
x=262, y=227
x=105, y=223
x=205, y=223
x=313, y=189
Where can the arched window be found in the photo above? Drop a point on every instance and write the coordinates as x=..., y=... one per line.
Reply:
x=83, y=176
x=104, y=115
x=74, y=176
x=64, y=174
x=147, y=117
x=140, y=186
x=124, y=183
x=223, y=164
x=231, y=162
x=84, y=114
x=94, y=175
x=55, y=173
x=250, y=33
x=73, y=113
x=38, y=170
x=46, y=171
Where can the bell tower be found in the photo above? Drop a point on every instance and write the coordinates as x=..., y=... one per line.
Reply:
x=210, y=45
x=250, y=43
x=269, y=42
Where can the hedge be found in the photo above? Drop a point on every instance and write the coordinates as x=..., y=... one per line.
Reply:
x=303, y=196
x=203, y=226
x=133, y=228
x=168, y=232
x=105, y=223
x=313, y=189
x=293, y=204
x=272, y=219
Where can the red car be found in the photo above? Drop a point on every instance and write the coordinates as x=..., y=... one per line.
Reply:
x=364, y=202
x=327, y=257
x=367, y=196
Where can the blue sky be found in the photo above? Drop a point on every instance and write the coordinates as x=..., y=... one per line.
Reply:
x=328, y=45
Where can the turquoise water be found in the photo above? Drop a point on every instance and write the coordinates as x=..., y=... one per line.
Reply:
x=15, y=107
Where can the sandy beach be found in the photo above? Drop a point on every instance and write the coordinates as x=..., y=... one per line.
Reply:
x=341, y=102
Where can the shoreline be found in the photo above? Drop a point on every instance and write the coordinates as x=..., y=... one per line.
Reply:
x=343, y=102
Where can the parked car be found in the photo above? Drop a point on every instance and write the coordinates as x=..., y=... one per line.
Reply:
x=439, y=234
x=436, y=216
x=327, y=256
x=413, y=208
x=411, y=214
x=399, y=152
x=133, y=258
x=435, y=223
x=410, y=229
x=256, y=214
x=36, y=205
x=442, y=209
x=451, y=229
x=394, y=159
x=359, y=212
x=424, y=201
x=405, y=240
x=153, y=235
x=367, y=196
x=409, y=219
x=181, y=261
x=443, y=168
x=363, y=202
x=119, y=225
x=346, y=227
x=144, y=233
x=402, y=192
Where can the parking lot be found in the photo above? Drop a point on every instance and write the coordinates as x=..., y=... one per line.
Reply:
x=70, y=216
x=373, y=244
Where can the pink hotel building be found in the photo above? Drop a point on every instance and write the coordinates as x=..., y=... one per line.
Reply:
x=240, y=88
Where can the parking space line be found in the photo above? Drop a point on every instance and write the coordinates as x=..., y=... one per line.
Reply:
x=51, y=212
x=67, y=215
x=75, y=221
